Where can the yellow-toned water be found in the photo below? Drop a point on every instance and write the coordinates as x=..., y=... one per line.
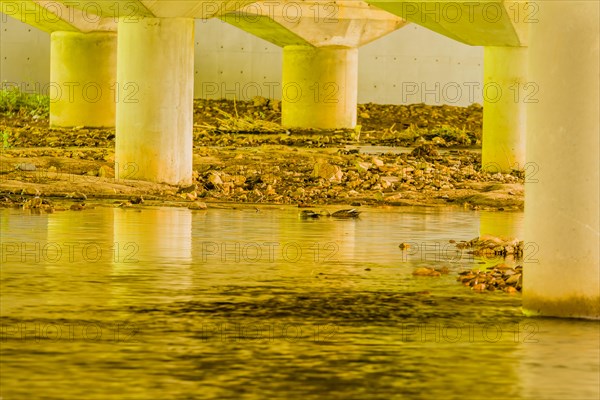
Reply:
x=169, y=303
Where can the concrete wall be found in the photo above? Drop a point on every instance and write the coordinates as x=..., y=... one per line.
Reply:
x=411, y=65
x=24, y=55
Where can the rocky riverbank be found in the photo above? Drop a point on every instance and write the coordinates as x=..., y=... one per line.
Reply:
x=506, y=276
x=243, y=155
x=501, y=276
x=498, y=277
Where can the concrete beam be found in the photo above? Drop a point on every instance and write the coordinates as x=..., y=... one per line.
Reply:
x=54, y=16
x=265, y=28
x=319, y=23
x=193, y=9
x=478, y=23
x=132, y=10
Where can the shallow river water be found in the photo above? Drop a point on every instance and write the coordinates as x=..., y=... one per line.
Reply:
x=168, y=303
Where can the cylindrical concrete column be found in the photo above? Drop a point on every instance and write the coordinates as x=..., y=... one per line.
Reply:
x=505, y=96
x=319, y=87
x=154, y=118
x=562, y=268
x=83, y=69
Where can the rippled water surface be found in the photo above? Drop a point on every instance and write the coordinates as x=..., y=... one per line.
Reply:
x=169, y=303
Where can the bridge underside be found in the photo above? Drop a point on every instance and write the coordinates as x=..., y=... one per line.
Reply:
x=147, y=69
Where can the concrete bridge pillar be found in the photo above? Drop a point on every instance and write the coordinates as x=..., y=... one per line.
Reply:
x=83, y=69
x=506, y=93
x=320, y=87
x=155, y=113
x=562, y=268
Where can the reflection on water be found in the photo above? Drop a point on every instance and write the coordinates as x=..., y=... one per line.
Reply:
x=170, y=303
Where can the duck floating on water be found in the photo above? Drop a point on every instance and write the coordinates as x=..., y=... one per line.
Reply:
x=309, y=214
x=347, y=213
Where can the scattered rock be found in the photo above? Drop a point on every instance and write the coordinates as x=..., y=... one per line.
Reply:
x=394, y=198
x=269, y=191
x=327, y=171
x=188, y=189
x=498, y=277
x=76, y=196
x=488, y=245
x=26, y=167
x=443, y=270
x=377, y=162
x=275, y=105
x=362, y=166
x=480, y=287
x=424, y=150
x=438, y=141
x=34, y=203
x=136, y=200
x=214, y=179
x=259, y=101
x=198, y=205
x=425, y=272
x=30, y=191
x=191, y=196
x=513, y=279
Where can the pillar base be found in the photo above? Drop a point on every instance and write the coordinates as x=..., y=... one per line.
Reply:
x=154, y=124
x=568, y=307
x=319, y=87
x=83, y=68
x=506, y=93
